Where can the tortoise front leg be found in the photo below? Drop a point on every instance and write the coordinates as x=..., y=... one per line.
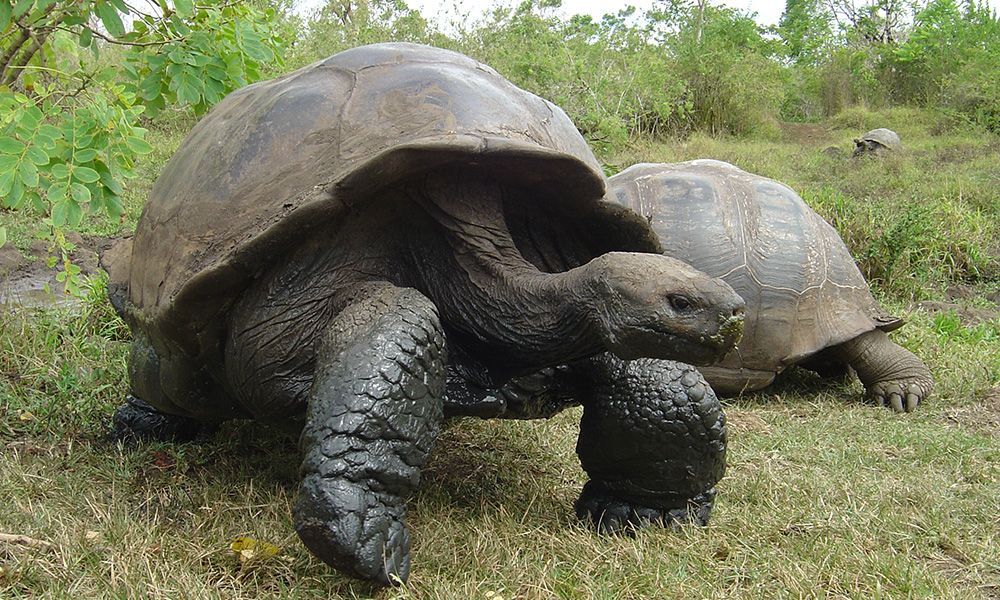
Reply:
x=891, y=374
x=653, y=440
x=374, y=413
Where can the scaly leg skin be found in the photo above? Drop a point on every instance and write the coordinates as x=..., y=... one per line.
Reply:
x=653, y=440
x=538, y=395
x=892, y=375
x=375, y=409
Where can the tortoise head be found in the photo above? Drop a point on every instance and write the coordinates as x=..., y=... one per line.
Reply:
x=656, y=306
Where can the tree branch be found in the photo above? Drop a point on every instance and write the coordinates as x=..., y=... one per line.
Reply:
x=112, y=40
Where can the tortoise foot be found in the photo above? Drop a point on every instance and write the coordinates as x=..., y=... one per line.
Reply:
x=902, y=395
x=136, y=421
x=612, y=514
x=351, y=528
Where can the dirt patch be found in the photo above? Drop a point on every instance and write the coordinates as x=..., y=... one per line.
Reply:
x=806, y=134
x=740, y=421
x=983, y=417
x=26, y=279
x=969, y=316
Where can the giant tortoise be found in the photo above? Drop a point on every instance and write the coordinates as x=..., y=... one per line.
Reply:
x=877, y=141
x=324, y=245
x=807, y=301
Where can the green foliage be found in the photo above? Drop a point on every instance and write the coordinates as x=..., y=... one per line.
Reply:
x=205, y=53
x=804, y=29
x=587, y=67
x=733, y=85
x=72, y=94
x=340, y=24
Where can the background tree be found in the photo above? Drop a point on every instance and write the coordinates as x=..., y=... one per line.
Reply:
x=75, y=76
x=804, y=29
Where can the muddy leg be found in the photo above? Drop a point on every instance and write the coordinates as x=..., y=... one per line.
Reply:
x=653, y=440
x=374, y=413
x=141, y=416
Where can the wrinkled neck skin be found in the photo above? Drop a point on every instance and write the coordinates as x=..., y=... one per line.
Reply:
x=495, y=304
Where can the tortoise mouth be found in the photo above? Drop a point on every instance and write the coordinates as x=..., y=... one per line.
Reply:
x=658, y=341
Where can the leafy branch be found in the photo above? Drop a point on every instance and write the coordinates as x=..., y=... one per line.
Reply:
x=74, y=82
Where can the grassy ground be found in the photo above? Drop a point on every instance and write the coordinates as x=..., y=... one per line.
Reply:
x=824, y=496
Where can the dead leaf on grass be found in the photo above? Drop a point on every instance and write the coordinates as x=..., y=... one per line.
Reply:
x=248, y=548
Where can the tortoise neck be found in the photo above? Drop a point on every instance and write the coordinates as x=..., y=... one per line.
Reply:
x=496, y=302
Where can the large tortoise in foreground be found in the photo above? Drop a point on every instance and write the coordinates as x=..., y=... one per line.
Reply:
x=807, y=302
x=326, y=247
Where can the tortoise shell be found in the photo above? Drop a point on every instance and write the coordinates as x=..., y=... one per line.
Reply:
x=278, y=159
x=803, y=290
x=886, y=137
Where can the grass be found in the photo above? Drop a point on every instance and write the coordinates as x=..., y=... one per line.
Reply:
x=824, y=496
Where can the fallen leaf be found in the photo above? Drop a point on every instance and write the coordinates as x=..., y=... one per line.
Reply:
x=248, y=548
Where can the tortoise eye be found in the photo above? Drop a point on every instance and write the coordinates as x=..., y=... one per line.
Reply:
x=680, y=303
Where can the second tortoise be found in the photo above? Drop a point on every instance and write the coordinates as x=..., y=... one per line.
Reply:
x=807, y=301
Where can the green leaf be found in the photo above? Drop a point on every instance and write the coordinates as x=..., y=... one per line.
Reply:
x=184, y=8
x=37, y=155
x=7, y=161
x=15, y=195
x=6, y=181
x=4, y=14
x=60, y=171
x=110, y=18
x=109, y=182
x=3, y=230
x=74, y=213
x=60, y=213
x=138, y=145
x=85, y=156
x=9, y=145
x=150, y=86
x=28, y=173
x=113, y=206
x=85, y=174
x=86, y=37
x=80, y=192
x=22, y=6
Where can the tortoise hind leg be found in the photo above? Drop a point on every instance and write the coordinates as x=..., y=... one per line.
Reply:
x=892, y=375
x=375, y=408
x=137, y=419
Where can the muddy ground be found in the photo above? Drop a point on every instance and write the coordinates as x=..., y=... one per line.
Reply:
x=24, y=276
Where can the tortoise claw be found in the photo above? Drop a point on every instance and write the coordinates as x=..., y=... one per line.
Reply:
x=901, y=396
x=612, y=514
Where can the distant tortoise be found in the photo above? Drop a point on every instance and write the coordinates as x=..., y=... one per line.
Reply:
x=807, y=302
x=877, y=141
x=322, y=243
